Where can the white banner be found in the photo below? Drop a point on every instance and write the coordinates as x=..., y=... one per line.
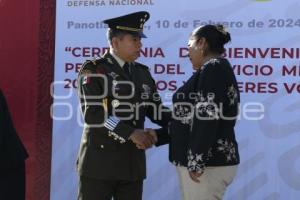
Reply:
x=264, y=53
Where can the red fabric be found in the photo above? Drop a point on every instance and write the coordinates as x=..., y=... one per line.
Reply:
x=20, y=72
x=100, y=71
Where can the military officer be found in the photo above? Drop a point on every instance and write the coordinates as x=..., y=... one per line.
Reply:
x=116, y=94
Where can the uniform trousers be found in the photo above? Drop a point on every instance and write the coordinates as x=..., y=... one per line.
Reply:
x=96, y=189
x=212, y=185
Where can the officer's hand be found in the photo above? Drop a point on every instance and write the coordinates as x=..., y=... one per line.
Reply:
x=142, y=139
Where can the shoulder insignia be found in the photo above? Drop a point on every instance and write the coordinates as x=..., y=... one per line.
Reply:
x=100, y=70
x=87, y=65
x=92, y=64
x=97, y=60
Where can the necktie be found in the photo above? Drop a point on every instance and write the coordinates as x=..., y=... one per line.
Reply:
x=126, y=68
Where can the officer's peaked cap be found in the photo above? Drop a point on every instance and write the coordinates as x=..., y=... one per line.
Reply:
x=132, y=23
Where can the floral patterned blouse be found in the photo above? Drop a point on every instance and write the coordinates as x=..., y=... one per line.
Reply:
x=205, y=111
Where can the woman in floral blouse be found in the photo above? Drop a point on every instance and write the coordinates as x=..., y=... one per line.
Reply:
x=203, y=144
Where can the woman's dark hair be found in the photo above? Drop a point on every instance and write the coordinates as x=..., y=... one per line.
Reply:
x=215, y=35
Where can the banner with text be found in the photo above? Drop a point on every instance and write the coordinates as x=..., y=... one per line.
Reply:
x=264, y=54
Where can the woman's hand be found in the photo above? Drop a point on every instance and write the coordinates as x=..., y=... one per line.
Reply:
x=195, y=176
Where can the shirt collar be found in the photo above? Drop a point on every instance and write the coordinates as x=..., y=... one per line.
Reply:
x=117, y=58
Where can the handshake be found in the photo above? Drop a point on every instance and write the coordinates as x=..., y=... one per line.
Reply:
x=143, y=139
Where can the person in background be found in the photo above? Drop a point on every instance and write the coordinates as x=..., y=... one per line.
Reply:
x=116, y=94
x=13, y=155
